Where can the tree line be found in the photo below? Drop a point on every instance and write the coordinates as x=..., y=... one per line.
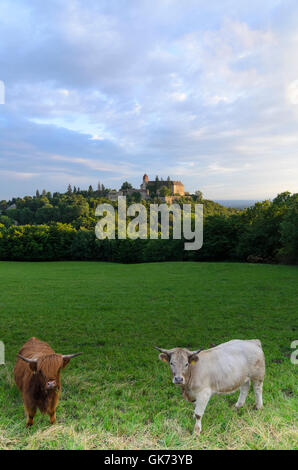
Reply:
x=61, y=227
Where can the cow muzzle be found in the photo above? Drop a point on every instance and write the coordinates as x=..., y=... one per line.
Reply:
x=51, y=385
x=178, y=380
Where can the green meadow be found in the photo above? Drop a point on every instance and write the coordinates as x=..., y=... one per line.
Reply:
x=118, y=395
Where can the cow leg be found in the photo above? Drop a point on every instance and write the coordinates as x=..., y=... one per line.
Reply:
x=31, y=412
x=52, y=408
x=201, y=402
x=243, y=394
x=258, y=389
x=52, y=415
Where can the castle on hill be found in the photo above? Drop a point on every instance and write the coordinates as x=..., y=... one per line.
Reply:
x=176, y=187
x=173, y=189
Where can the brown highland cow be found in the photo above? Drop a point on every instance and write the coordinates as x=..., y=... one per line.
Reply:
x=37, y=375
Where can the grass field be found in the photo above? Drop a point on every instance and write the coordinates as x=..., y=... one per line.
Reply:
x=118, y=395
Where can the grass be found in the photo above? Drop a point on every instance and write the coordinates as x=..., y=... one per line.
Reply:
x=118, y=395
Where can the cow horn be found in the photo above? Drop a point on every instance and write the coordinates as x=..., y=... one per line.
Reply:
x=166, y=351
x=26, y=359
x=69, y=356
x=193, y=353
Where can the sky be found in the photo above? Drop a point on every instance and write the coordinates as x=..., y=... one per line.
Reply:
x=107, y=90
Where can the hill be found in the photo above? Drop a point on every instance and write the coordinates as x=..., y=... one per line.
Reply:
x=61, y=226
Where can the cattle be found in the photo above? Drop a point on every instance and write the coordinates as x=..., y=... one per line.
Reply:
x=219, y=370
x=37, y=375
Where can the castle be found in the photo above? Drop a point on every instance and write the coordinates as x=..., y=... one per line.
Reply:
x=176, y=187
x=148, y=187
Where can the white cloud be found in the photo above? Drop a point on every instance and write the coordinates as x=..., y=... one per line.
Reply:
x=96, y=137
x=204, y=90
x=178, y=96
x=97, y=165
x=18, y=175
x=292, y=92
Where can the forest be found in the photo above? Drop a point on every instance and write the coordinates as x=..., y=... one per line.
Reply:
x=60, y=226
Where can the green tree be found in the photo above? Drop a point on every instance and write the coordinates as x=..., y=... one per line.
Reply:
x=6, y=221
x=164, y=191
x=289, y=233
x=199, y=195
x=126, y=185
x=136, y=197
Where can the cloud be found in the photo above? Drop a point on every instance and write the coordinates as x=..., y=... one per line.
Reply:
x=201, y=91
x=18, y=175
x=292, y=92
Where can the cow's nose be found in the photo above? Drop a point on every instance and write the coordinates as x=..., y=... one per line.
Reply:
x=51, y=384
x=178, y=380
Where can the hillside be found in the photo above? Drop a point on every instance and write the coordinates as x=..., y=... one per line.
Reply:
x=61, y=226
x=77, y=207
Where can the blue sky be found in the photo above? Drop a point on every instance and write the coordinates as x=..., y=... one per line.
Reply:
x=206, y=92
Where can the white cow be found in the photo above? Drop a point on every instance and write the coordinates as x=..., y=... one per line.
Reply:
x=222, y=369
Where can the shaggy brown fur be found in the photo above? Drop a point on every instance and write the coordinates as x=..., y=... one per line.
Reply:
x=34, y=379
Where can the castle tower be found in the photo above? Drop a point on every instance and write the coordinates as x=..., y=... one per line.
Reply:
x=145, y=181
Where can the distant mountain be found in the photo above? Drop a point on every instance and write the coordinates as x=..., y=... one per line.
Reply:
x=237, y=203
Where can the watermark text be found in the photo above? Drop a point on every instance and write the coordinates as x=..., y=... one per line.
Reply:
x=294, y=355
x=2, y=353
x=133, y=222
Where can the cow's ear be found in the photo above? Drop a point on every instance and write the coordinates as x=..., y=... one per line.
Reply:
x=164, y=357
x=65, y=362
x=32, y=362
x=193, y=359
x=193, y=356
x=66, y=358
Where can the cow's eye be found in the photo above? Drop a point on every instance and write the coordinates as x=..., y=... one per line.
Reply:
x=186, y=365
